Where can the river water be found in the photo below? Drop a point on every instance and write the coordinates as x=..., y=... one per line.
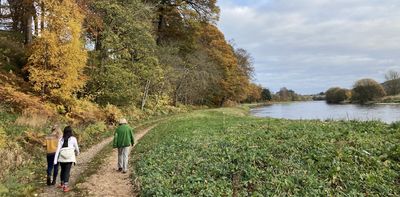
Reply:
x=321, y=110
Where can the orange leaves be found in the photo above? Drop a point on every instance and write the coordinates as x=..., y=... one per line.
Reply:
x=234, y=83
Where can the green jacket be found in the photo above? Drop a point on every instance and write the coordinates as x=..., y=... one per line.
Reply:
x=123, y=136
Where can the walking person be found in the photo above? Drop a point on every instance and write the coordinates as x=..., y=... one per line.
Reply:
x=66, y=154
x=51, y=145
x=123, y=139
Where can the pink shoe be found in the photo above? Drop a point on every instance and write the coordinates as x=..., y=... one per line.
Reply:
x=65, y=189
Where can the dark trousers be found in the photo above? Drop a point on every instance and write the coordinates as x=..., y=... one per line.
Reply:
x=51, y=166
x=65, y=172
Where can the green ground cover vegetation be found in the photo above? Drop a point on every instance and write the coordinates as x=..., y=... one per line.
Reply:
x=224, y=152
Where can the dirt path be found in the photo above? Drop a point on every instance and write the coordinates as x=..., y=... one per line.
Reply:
x=83, y=160
x=107, y=181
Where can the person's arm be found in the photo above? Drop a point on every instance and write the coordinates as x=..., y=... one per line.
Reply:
x=75, y=143
x=132, y=138
x=115, y=139
x=60, y=142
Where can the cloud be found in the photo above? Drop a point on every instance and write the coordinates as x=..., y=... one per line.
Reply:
x=311, y=45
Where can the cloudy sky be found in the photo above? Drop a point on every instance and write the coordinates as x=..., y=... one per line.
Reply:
x=311, y=45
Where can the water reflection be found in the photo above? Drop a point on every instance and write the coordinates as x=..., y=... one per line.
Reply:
x=320, y=110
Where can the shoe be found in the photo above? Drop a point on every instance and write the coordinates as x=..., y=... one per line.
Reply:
x=48, y=181
x=124, y=172
x=65, y=189
x=119, y=169
x=54, y=180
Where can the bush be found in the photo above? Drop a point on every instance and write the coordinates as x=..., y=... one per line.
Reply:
x=337, y=95
x=112, y=84
x=112, y=114
x=85, y=112
x=22, y=102
x=366, y=90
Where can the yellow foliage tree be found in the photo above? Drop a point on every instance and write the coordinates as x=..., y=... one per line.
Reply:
x=58, y=57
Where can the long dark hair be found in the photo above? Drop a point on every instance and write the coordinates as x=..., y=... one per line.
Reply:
x=67, y=132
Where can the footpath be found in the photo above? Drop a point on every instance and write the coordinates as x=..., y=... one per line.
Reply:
x=106, y=181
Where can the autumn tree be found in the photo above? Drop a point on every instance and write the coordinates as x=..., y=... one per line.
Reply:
x=337, y=95
x=254, y=93
x=366, y=90
x=180, y=19
x=392, y=84
x=57, y=57
x=232, y=86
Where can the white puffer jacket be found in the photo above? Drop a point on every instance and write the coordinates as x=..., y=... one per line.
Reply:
x=67, y=154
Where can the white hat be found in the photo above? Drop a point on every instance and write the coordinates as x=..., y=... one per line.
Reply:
x=123, y=121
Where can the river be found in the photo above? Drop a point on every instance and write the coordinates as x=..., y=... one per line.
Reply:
x=321, y=110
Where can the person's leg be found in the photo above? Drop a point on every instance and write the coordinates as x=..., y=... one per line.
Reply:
x=55, y=173
x=125, y=155
x=66, y=176
x=120, y=159
x=62, y=175
x=50, y=160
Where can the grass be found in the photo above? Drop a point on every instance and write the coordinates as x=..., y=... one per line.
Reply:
x=224, y=152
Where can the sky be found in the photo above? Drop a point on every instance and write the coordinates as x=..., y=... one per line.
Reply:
x=312, y=45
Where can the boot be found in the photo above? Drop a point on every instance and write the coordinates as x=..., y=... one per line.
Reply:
x=48, y=180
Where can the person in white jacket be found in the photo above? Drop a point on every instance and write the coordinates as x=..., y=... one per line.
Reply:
x=66, y=153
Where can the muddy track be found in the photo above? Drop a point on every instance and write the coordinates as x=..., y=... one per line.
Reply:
x=106, y=175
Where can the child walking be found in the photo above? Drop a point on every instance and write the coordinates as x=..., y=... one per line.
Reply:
x=51, y=146
x=66, y=155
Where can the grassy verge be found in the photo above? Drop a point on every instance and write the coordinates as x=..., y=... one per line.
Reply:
x=226, y=152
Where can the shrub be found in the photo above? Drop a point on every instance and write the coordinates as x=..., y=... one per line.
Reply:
x=366, y=90
x=85, y=112
x=112, y=114
x=24, y=102
x=337, y=95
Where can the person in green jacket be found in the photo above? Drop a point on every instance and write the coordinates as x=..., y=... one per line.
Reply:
x=123, y=139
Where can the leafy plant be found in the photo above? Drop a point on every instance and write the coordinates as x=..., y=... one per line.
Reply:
x=224, y=152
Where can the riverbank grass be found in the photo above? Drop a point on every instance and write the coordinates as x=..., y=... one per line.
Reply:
x=224, y=152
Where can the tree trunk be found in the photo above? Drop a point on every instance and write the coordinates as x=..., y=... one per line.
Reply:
x=145, y=94
x=42, y=16
x=160, y=28
x=36, y=23
x=28, y=28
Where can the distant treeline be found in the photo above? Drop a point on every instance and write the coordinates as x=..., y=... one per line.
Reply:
x=366, y=90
